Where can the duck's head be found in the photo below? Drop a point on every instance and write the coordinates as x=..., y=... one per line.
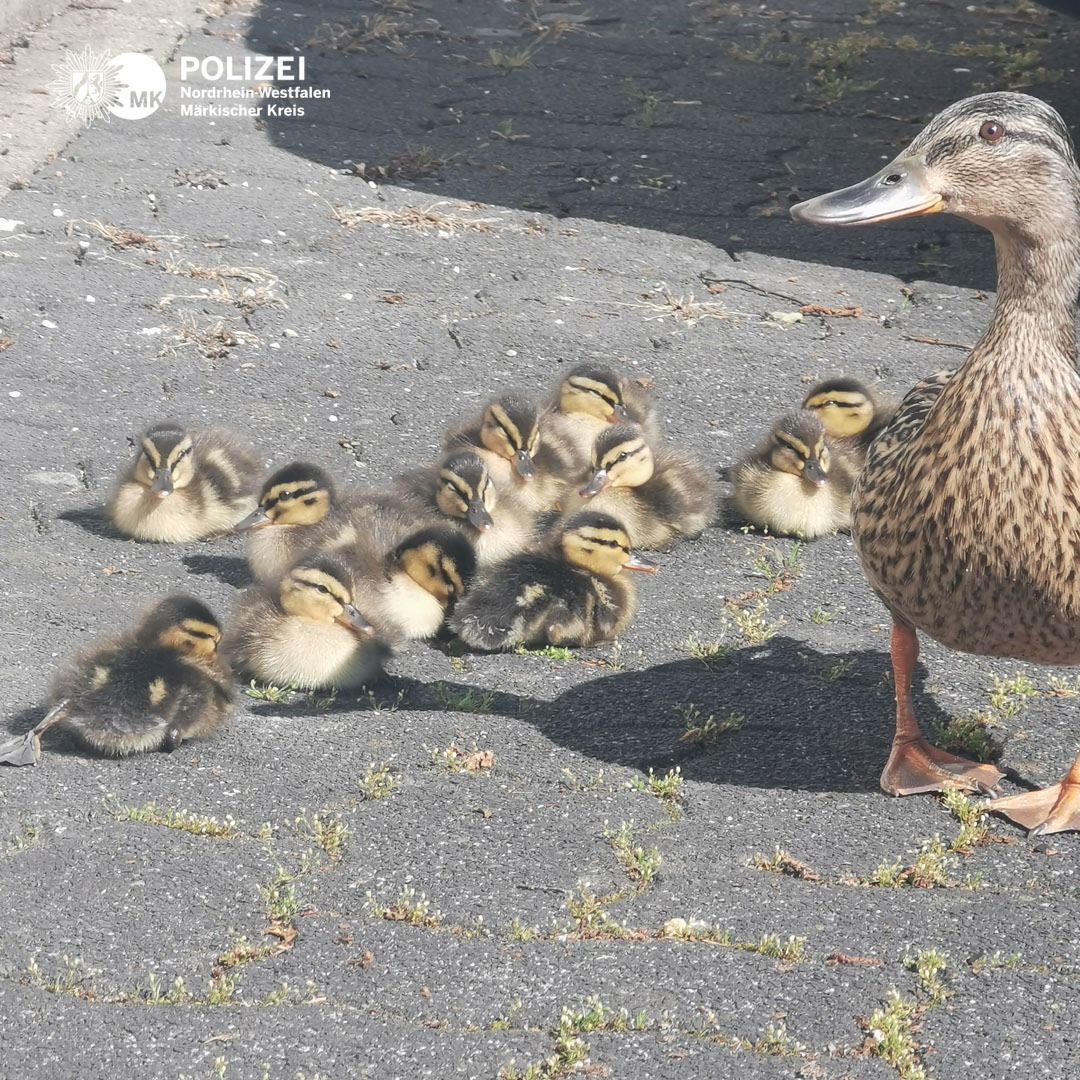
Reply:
x=165, y=460
x=439, y=559
x=320, y=589
x=184, y=624
x=621, y=457
x=598, y=543
x=511, y=429
x=297, y=494
x=844, y=406
x=797, y=446
x=1002, y=160
x=466, y=490
x=595, y=391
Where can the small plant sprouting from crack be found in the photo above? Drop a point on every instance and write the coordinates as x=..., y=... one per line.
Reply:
x=642, y=865
x=667, y=788
x=462, y=698
x=326, y=829
x=928, y=967
x=647, y=101
x=890, y=1030
x=149, y=814
x=972, y=817
x=268, y=692
x=408, y=907
x=708, y=652
x=378, y=782
x=459, y=759
x=705, y=730
x=779, y=570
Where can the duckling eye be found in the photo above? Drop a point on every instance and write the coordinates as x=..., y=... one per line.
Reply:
x=322, y=588
x=285, y=496
x=991, y=131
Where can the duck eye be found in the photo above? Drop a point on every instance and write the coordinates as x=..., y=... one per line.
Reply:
x=285, y=496
x=322, y=588
x=991, y=131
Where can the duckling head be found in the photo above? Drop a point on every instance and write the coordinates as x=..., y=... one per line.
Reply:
x=598, y=543
x=621, y=457
x=297, y=494
x=183, y=624
x=320, y=589
x=594, y=390
x=844, y=406
x=511, y=428
x=165, y=462
x=439, y=559
x=466, y=490
x=798, y=447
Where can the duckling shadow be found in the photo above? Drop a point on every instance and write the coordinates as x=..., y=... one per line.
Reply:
x=780, y=715
x=228, y=569
x=92, y=519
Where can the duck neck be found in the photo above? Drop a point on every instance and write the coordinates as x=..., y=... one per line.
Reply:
x=1038, y=280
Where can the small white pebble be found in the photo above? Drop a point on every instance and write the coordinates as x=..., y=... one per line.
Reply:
x=57, y=212
x=346, y=296
x=274, y=345
x=90, y=299
x=14, y=393
x=266, y=241
x=151, y=331
x=511, y=352
x=289, y=332
x=332, y=418
x=48, y=324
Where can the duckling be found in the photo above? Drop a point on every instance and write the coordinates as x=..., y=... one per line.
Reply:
x=849, y=410
x=657, y=495
x=570, y=594
x=185, y=485
x=797, y=482
x=305, y=630
x=507, y=437
x=461, y=488
x=149, y=689
x=590, y=398
x=424, y=576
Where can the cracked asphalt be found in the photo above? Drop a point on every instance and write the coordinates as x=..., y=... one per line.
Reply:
x=488, y=866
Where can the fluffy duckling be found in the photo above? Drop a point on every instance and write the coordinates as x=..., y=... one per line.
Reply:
x=149, y=689
x=306, y=630
x=796, y=482
x=571, y=594
x=589, y=399
x=657, y=495
x=185, y=485
x=849, y=410
x=461, y=488
x=535, y=469
x=425, y=575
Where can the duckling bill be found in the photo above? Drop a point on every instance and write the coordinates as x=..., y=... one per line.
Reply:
x=150, y=689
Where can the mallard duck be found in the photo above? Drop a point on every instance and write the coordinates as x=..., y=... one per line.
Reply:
x=535, y=469
x=658, y=495
x=849, y=411
x=570, y=594
x=422, y=579
x=461, y=489
x=794, y=483
x=149, y=689
x=965, y=515
x=305, y=631
x=590, y=398
x=185, y=485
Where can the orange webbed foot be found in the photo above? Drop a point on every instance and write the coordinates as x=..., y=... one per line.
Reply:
x=916, y=765
x=1050, y=810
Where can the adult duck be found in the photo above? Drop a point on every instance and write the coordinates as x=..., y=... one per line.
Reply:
x=966, y=517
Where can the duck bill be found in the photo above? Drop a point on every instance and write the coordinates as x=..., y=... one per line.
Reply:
x=478, y=517
x=524, y=465
x=901, y=189
x=355, y=623
x=813, y=472
x=597, y=482
x=636, y=562
x=162, y=486
x=255, y=520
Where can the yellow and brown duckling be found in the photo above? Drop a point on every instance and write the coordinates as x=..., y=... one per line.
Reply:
x=535, y=468
x=424, y=577
x=306, y=630
x=461, y=489
x=965, y=514
x=185, y=485
x=299, y=510
x=849, y=410
x=658, y=495
x=149, y=689
x=589, y=399
x=795, y=482
x=572, y=593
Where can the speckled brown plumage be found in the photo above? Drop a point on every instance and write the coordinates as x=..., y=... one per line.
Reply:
x=966, y=516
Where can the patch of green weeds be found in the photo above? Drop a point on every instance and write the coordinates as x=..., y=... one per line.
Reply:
x=408, y=907
x=462, y=698
x=929, y=966
x=548, y=652
x=781, y=570
x=269, y=692
x=326, y=829
x=642, y=865
x=891, y=1034
x=705, y=730
x=708, y=652
x=149, y=814
x=667, y=788
x=378, y=782
x=647, y=101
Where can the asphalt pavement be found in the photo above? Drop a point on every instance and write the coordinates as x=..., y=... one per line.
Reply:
x=665, y=858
